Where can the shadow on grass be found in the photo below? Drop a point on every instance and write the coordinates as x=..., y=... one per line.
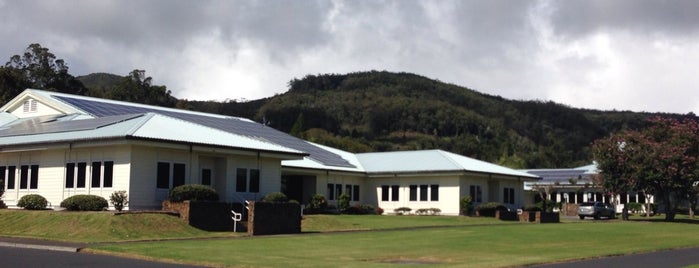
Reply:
x=662, y=219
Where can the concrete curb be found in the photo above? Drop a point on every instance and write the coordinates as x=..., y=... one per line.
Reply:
x=41, y=247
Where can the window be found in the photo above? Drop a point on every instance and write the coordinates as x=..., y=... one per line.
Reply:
x=3, y=177
x=70, y=175
x=241, y=180
x=178, y=174
x=96, y=174
x=476, y=194
x=355, y=193
x=434, y=192
x=394, y=192
x=384, y=192
x=423, y=192
x=206, y=176
x=34, y=177
x=163, y=177
x=254, y=180
x=509, y=195
x=23, y=177
x=331, y=191
x=82, y=173
x=11, y=173
x=338, y=191
x=413, y=193
x=108, y=173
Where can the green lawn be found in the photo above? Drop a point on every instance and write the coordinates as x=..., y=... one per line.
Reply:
x=392, y=240
x=452, y=246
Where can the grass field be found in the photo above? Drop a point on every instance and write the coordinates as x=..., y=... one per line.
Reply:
x=455, y=246
x=366, y=241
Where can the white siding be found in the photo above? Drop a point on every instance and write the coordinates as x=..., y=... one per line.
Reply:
x=449, y=197
x=51, y=184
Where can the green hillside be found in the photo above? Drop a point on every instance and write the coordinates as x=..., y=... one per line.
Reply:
x=384, y=111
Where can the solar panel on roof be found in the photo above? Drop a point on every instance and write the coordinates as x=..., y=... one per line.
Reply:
x=231, y=125
x=40, y=125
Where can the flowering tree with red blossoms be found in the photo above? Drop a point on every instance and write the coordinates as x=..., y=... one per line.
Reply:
x=662, y=160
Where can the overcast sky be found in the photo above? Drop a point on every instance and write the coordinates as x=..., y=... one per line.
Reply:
x=625, y=55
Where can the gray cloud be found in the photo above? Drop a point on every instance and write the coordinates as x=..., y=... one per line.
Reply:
x=593, y=54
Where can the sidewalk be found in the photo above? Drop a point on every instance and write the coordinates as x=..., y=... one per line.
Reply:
x=40, y=244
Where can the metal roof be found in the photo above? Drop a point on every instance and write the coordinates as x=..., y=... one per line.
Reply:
x=431, y=161
x=149, y=126
x=233, y=125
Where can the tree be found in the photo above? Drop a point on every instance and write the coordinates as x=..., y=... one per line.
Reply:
x=613, y=156
x=37, y=68
x=137, y=87
x=662, y=159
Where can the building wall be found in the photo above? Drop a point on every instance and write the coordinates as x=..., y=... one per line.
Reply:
x=448, y=201
x=52, y=171
x=324, y=179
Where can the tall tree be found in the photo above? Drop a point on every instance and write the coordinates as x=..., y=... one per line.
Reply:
x=38, y=68
x=137, y=87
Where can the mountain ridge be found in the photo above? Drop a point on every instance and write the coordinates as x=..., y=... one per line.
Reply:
x=385, y=111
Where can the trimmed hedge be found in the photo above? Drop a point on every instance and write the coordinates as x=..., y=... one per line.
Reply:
x=193, y=192
x=83, y=202
x=32, y=202
x=275, y=197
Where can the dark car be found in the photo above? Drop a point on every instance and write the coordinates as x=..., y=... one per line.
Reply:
x=596, y=210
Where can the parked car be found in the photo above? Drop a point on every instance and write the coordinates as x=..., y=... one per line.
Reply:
x=596, y=210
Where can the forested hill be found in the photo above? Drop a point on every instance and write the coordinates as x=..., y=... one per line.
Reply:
x=382, y=111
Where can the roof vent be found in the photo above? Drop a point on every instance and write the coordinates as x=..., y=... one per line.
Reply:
x=30, y=106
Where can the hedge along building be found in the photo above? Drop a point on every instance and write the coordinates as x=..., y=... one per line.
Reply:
x=58, y=145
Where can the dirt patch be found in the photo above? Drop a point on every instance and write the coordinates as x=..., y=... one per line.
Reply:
x=410, y=261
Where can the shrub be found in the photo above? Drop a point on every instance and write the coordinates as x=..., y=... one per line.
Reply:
x=428, y=211
x=317, y=205
x=635, y=207
x=360, y=210
x=83, y=202
x=488, y=209
x=402, y=210
x=466, y=205
x=193, y=192
x=275, y=197
x=379, y=211
x=550, y=205
x=119, y=199
x=33, y=202
x=343, y=202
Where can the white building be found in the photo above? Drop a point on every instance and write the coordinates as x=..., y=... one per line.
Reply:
x=58, y=145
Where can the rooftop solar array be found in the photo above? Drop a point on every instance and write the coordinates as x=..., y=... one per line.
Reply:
x=229, y=124
x=560, y=175
x=51, y=124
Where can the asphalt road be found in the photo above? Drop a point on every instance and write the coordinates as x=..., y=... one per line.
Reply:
x=668, y=258
x=24, y=257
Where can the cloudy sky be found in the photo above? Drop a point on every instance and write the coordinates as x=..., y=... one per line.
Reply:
x=626, y=55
